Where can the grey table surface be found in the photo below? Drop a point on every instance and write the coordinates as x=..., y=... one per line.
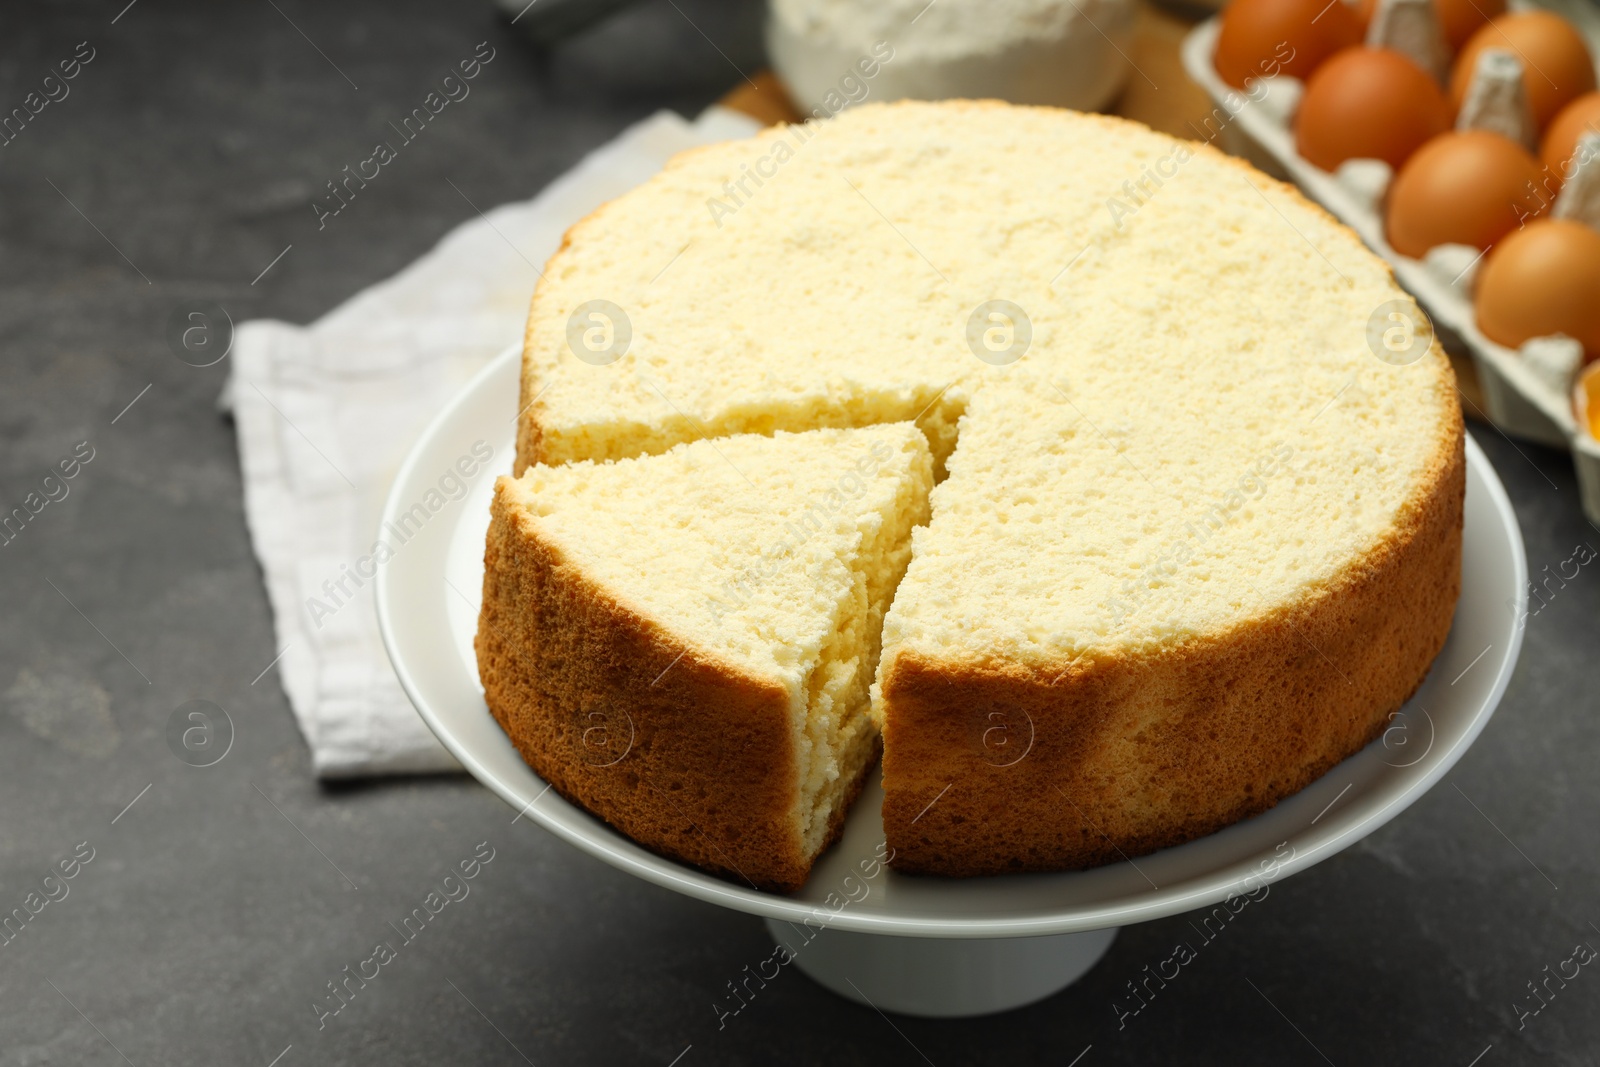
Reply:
x=219, y=905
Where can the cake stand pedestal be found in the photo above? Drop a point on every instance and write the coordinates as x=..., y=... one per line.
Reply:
x=940, y=946
x=941, y=977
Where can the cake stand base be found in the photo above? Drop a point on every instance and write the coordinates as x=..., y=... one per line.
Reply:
x=941, y=977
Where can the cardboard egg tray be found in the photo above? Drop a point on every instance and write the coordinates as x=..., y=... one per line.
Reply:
x=1516, y=399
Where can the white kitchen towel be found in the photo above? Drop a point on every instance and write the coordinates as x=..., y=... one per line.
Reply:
x=325, y=413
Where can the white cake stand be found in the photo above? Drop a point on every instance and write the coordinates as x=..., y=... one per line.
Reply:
x=928, y=946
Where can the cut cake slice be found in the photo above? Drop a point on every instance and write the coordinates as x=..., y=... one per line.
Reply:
x=683, y=643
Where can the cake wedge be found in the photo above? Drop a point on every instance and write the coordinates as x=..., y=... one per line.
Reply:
x=683, y=643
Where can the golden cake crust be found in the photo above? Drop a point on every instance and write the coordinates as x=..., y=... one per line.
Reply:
x=1129, y=754
x=621, y=718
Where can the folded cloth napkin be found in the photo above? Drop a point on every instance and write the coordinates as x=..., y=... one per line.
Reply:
x=325, y=414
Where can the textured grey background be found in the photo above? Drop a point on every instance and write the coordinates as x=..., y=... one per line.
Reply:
x=208, y=922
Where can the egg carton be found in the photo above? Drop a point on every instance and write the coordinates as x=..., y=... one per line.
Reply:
x=1527, y=392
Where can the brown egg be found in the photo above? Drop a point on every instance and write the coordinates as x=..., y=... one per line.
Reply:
x=1468, y=187
x=1459, y=19
x=1586, y=400
x=1557, y=67
x=1561, y=136
x=1261, y=38
x=1368, y=103
x=1541, y=280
